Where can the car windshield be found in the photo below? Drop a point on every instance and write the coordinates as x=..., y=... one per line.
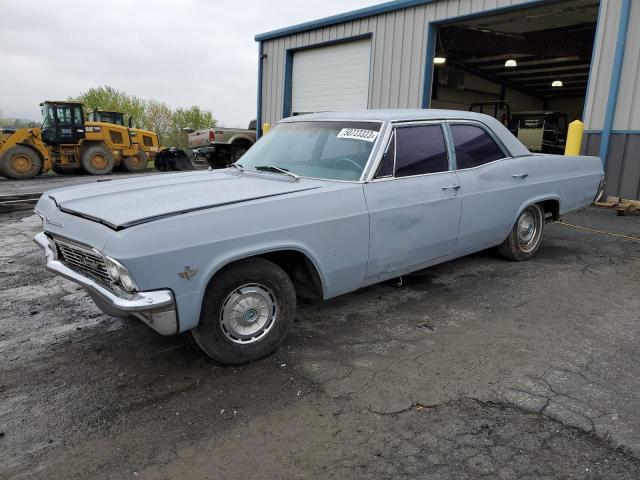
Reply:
x=322, y=149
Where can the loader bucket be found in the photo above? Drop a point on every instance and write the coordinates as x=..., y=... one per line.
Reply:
x=172, y=159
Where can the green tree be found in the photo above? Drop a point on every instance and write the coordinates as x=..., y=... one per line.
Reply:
x=157, y=117
x=193, y=118
x=151, y=114
x=110, y=99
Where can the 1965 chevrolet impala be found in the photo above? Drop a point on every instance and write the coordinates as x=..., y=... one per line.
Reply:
x=322, y=205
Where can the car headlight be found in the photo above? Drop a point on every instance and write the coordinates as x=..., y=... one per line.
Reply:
x=119, y=275
x=112, y=270
x=127, y=282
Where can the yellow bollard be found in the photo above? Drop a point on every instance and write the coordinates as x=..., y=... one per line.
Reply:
x=574, y=138
x=265, y=128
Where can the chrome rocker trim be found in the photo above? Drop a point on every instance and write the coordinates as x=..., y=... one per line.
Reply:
x=156, y=308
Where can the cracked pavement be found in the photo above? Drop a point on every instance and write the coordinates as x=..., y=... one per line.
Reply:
x=479, y=367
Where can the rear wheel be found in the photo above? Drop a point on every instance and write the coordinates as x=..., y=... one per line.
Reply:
x=137, y=162
x=247, y=311
x=525, y=236
x=238, y=150
x=20, y=163
x=97, y=160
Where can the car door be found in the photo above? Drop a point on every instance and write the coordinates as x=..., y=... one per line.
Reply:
x=413, y=202
x=492, y=185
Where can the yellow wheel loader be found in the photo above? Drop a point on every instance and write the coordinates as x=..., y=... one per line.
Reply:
x=146, y=140
x=66, y=143
x=164, y=158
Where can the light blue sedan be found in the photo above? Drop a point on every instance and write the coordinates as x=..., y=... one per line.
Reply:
x=322, y=205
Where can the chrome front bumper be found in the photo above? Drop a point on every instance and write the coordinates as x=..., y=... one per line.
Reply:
x=156, y=308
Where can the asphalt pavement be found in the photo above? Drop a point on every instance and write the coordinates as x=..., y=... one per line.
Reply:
x=479, y=367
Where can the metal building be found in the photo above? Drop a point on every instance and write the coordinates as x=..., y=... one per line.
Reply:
x=452, y=53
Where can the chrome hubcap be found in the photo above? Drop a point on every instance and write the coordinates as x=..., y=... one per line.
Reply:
x=248, y=313
x=529, y=229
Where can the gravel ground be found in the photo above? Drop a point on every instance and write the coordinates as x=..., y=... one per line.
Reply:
x=477, y=367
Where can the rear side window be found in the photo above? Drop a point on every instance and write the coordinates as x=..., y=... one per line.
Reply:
x=419, y=150
x=474, y=146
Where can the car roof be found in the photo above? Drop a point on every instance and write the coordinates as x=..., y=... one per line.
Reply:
x=513, y=145
x=388, y=115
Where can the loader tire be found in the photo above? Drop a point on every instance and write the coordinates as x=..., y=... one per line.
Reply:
x=136, y=163
x=20, y=163
x=97, y=160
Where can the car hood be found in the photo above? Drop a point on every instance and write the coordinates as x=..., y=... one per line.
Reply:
x=124, y=203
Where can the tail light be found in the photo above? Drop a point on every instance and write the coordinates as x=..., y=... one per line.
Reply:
x=212, y=137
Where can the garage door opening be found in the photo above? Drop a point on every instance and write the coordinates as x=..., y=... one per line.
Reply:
x=529, y=68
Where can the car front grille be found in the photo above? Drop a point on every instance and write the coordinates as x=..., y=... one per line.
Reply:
x=83, y=260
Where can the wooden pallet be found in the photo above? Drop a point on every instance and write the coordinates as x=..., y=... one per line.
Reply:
x=622, y=206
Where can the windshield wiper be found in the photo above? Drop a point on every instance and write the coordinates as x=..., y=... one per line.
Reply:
x=271, y=168
x=238, y=166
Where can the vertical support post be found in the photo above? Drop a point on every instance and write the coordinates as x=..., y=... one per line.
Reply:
x=259, y=109
x=616, y=72
x=428, y=66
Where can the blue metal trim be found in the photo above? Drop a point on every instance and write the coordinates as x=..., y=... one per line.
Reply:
x=593, y=56
x=428, y=66
x=341, y=18
x=259, y=109
x=288, y=74
x=614, y=86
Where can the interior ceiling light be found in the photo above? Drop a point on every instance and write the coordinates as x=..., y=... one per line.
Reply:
x=556, y=83
x=439, y=60
x=511, y=63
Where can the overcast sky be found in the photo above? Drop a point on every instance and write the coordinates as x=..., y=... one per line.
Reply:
x=182, y=52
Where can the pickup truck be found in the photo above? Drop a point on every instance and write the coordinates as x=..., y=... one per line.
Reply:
x=221, y=146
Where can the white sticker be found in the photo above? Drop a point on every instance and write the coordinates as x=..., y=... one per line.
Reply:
x=358, y=134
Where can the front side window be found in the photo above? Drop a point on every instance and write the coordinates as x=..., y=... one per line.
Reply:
x=414, y=150
x=420, y=150
x=319, y=149
x=474, y=146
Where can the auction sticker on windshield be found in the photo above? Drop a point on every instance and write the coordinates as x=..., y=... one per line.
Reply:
x=358, y=134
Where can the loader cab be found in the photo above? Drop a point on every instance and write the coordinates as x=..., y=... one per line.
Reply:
x=62, y=123
x=116, y=118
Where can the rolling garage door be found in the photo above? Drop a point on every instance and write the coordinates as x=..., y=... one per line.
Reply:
x=331, y=78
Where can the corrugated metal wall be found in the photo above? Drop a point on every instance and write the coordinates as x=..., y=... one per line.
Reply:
x=628, y=108
x=399, y=41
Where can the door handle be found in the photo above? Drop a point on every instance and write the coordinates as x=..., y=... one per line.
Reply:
x=452, y=187
x=521, y=175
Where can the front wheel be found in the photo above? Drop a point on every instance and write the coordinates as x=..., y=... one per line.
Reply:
x=247, y=311
x=20, y=163
x=525, y=236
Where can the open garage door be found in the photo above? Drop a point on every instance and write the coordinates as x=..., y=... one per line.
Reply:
x=331, y=78
x=528, y=67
